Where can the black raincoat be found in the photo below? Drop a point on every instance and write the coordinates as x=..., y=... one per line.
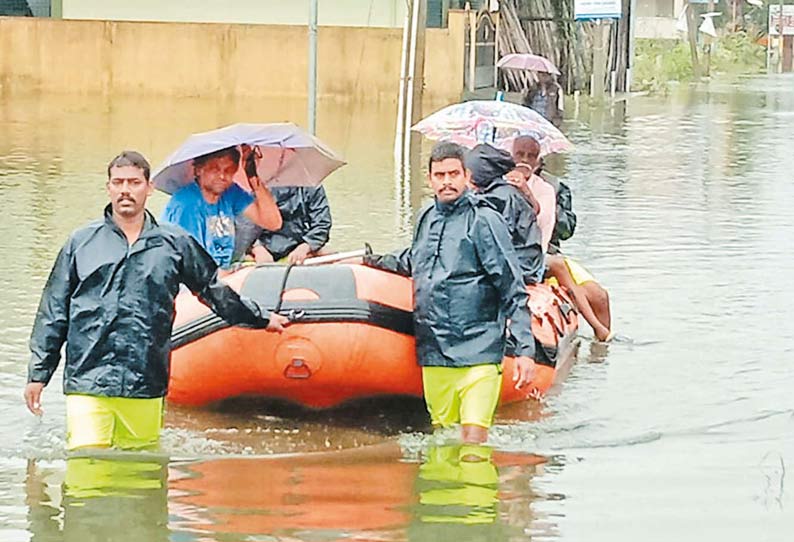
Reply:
x=306, y=218
x=113, y=306
x=565, y=222
x=467, y=283
x=488, y=165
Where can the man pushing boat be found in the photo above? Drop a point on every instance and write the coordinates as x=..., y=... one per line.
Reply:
x=110, y=299
x=467, y=285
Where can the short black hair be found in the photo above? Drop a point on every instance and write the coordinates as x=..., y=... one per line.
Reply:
x=131, y=158
x=231, y=152
x=446, y=149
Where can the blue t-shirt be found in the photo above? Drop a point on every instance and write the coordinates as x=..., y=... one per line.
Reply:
x=212, y=225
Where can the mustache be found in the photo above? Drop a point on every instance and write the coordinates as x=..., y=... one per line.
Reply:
x=126, y=198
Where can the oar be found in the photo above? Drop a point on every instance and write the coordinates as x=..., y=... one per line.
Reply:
x=331, y=258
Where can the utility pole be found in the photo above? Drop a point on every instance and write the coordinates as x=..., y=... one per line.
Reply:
x=313, y=66
x=707, y=44
x=630, y=61
x=780, y=40
x=600, y=46
x=409, y=101
x=691, y=26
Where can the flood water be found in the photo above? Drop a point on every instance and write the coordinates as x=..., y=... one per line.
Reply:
x=682, y=431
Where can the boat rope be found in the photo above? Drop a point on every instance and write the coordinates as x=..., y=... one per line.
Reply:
x=282, y=288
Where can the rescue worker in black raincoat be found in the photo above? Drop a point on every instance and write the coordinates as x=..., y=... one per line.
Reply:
x=467, y=284
x=488, y=165
x=305, y=229
x=110, y=299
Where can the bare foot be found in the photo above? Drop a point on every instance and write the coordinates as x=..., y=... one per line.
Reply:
x=604, y=335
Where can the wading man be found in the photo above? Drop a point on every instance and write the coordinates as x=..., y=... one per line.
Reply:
x=467, y=285
x=110, y=299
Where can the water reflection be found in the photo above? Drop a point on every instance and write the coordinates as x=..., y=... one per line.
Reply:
x=329, y=496
x=471, y=492
x=452, y=491
x=101, y=499
x=458, y=484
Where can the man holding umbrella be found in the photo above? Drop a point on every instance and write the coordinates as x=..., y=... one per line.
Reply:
x=208, y=207
x=201, y=174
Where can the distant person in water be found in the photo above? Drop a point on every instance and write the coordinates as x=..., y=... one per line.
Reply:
x=547, y=98
x=207, y=208
x=110, y=300
x=305, y=230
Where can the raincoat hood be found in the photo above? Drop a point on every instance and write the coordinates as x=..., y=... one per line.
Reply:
x=488, y=164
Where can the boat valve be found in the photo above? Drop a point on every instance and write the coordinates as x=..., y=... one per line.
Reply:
x=297, y=369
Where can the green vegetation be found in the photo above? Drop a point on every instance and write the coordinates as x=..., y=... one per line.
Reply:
x=737, y=53
x=659, y=62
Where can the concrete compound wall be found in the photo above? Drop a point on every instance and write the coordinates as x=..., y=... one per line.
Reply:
x=381, y=13
x=218, y=60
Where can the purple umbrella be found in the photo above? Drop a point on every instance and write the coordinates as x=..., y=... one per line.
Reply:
x=526, y=61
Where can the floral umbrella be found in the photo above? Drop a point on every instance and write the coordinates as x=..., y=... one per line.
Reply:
x=498, y=123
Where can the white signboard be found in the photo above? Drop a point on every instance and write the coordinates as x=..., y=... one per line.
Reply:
x=597, y=9
x=788, y=19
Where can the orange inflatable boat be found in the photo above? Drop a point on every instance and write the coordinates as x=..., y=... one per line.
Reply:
x=351, y=338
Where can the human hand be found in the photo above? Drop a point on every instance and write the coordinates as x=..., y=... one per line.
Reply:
x=516, y=177
x=261, y=254
x=519, y=179
x=277, y=322
x=524, y=371
x=255, y=184
x=300, y=253
x=33, y=397
x=248, y=158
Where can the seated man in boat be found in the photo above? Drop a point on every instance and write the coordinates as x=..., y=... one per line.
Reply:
x=591, y=298
x=208, y=207
x=110, y=300
x=540, y=194
x=467, y=286
x=305, y=230
x=488, y=165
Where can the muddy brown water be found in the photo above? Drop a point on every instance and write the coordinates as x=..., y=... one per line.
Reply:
x=683, y=431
